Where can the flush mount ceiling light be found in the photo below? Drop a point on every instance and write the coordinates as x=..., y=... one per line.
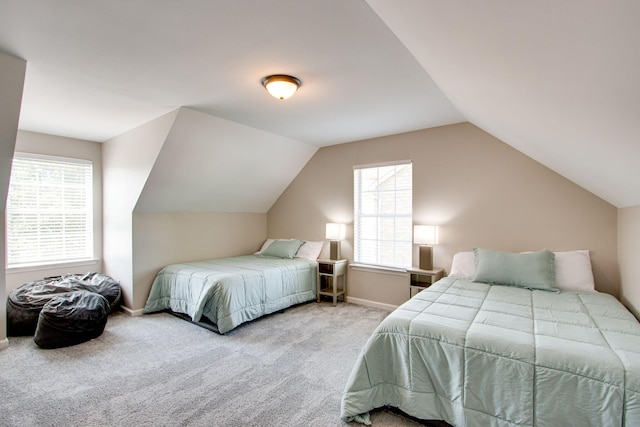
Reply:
x=281, y=86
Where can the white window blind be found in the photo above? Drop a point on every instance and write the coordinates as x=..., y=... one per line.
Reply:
x=383, y=214
x=49, y=210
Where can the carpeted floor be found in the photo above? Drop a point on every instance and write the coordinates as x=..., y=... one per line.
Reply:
x=286, y=369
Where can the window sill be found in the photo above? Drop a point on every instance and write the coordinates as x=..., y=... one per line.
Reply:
x=53, y=266
x=397, y=271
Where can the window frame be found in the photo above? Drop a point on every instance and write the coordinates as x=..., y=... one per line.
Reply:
x=87, y=254
x=402, y=235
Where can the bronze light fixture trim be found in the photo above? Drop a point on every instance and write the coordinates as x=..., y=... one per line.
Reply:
x=281, y=86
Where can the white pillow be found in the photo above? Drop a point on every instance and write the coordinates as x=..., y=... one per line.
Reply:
x=463, y=265
x=573, y=269
x=310, y=250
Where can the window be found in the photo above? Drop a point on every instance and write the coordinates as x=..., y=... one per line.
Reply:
x=383, y=214
x=49, y=210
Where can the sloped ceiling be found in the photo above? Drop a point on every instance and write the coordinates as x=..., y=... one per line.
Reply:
x=228, y=167
x=11, y=82
x=557, y=80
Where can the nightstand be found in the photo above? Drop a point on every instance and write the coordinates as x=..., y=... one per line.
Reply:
x=422, y=279
x=332, y=279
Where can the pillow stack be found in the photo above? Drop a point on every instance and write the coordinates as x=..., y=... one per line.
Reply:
x=290, y=248
x=572, y=269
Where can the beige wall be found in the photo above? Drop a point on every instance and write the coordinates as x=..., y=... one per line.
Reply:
x=37, y=143
x=172, y=237
x=11, y=84
x=629, y=255
x=480, y=191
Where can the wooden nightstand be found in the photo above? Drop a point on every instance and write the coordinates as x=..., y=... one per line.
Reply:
x=422, y=279
x=332, y=280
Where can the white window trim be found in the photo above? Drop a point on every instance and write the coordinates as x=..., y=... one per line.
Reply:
x=383, y=164
x=374, y=268
x=26, y=268
x=62, y=159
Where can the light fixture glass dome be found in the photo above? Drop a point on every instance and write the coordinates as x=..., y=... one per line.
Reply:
x=281, y=86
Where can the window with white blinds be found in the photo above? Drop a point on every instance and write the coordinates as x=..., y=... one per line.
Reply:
x=49, y=210
x=383, y=214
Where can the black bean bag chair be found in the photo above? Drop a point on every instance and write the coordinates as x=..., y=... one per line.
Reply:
x=71, y=318
x=105, y=286
x=25, y=302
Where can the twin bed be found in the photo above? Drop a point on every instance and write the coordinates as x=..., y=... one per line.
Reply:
x=221, y=294
x=506, y=340
x=544, y=350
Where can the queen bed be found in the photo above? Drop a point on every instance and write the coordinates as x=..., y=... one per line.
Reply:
x=224, y=293
x=505, y=340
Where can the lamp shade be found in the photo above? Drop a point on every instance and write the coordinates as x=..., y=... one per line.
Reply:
x=336, y=231
x=281, y=86
x=425, y=234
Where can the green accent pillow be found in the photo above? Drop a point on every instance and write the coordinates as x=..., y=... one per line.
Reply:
x=531, y=270
x=282, y=249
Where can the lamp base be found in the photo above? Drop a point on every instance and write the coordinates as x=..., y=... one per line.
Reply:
x=334, y=249
x=426, y=257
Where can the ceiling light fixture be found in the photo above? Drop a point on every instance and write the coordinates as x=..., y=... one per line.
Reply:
x=281, y=86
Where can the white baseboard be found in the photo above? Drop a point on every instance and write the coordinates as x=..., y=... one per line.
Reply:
x=4, y=344
x=369, y=303
x=132, y=313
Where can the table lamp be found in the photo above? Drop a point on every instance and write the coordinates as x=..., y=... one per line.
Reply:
x=335, y=233
x=425, y=235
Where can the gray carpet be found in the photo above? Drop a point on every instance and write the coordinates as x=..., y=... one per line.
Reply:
x=286, y=369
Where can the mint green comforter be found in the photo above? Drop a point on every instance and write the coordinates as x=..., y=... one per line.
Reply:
x=473, y=354
x=231, y=291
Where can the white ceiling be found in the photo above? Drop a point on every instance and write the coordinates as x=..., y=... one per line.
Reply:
x=99, y=68
x=557, y=80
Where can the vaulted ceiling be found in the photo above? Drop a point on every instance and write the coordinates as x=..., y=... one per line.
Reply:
x=557, y=80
